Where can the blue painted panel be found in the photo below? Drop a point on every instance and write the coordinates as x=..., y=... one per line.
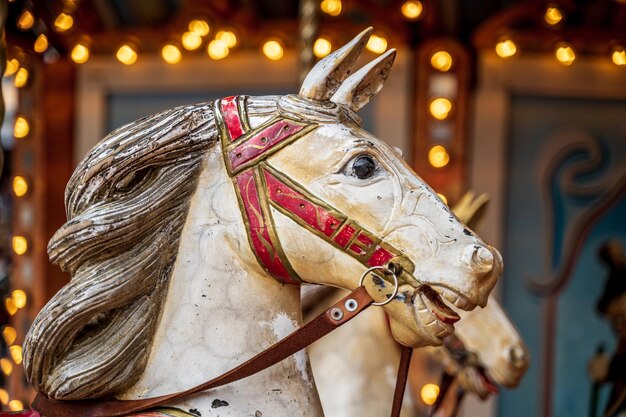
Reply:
x=534, y=122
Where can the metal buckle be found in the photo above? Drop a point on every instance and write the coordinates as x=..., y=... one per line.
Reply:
x=395, y=282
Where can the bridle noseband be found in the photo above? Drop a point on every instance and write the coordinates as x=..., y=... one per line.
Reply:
x=259, y=187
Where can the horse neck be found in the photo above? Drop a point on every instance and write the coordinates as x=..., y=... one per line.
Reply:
x=221, y=309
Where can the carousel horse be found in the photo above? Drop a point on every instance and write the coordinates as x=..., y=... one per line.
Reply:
x=188, y=235
x=485, y=352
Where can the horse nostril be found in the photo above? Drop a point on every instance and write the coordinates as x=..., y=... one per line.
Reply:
x=484, y=257
x=517, y=355
x=479, y=258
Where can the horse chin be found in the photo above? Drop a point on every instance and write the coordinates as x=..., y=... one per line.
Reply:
x=433, y=319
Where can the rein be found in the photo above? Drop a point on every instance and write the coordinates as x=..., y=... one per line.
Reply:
x=259, y=187
x=335, y=316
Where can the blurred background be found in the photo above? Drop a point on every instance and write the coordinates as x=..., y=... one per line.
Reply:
x=522, y=100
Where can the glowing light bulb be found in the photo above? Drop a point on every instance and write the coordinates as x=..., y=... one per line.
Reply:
x=443, y=198
x=126, y=54
x=412, y=9
x=619, y=56
x=10, y=306
x=171, y=54
x=441, y=60
x=21, y=77
x=63, y=22
x=41, y=43
x=228, y=37
x=273, y=50
x=20, y=245
x=4, y=396
x=217, y=49
x=429, y=393
x=565, y=54
x=331, y=7
x=21, y=127
x=16, y=405
x=80, y=53
x=6, y=366
x=506, y=48
x=9, y=334
x=16, y=353
x=438, y=156
x=26, y=20
x=322, y=47
x=553, y=15
x=377, y=44
x=440, y=108
x=12, y=66
x=20, y=186
x=199, y=26
x=191, y=41
x=19, y=298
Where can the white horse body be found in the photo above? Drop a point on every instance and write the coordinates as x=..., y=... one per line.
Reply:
x=206, y=304
x=222, y=308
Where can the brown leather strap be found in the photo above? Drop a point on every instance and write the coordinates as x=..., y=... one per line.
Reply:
x=403, y=374
x=323, y=324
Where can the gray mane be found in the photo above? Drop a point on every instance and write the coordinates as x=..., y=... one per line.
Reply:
x=126, y=205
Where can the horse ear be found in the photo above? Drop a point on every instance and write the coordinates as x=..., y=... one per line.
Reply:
x=364, y=84
x=328, y=74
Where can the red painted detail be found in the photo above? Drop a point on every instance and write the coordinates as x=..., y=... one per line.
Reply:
x=25, y=413
x=344, y=235
x=258, y=229
x=357, y=249
x=292, y=201
x=380, y=257
x=231, y=117
x=366, y=240
x=257, y=145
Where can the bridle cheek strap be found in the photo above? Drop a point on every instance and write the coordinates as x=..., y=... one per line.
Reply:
x=259, y=188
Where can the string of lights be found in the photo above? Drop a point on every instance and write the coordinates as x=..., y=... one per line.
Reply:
x=218, y=42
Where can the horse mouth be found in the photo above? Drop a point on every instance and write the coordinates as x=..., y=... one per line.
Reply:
x=490, y=386
x=454, y=298
x=437, y=316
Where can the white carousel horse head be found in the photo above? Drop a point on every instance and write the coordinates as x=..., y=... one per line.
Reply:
x=492, y=353
x=500, y=351
x=173, y=256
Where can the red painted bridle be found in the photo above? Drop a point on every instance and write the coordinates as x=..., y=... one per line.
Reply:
x=259, y=187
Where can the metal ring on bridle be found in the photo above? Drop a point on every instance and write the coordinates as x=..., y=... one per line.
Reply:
x=395, y=282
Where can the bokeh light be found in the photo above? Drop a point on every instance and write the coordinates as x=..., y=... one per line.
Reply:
x=412, y=9
x=322, y=47
x=438, y=156
x=429, y=393
x=441, y=60
x=217, y=49
x=273, y=50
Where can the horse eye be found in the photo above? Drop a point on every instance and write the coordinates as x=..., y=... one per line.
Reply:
x=364, y=167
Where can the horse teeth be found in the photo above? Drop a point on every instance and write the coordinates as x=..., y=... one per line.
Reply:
x=443, y=332
x=450, y=296
x=463, y=304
